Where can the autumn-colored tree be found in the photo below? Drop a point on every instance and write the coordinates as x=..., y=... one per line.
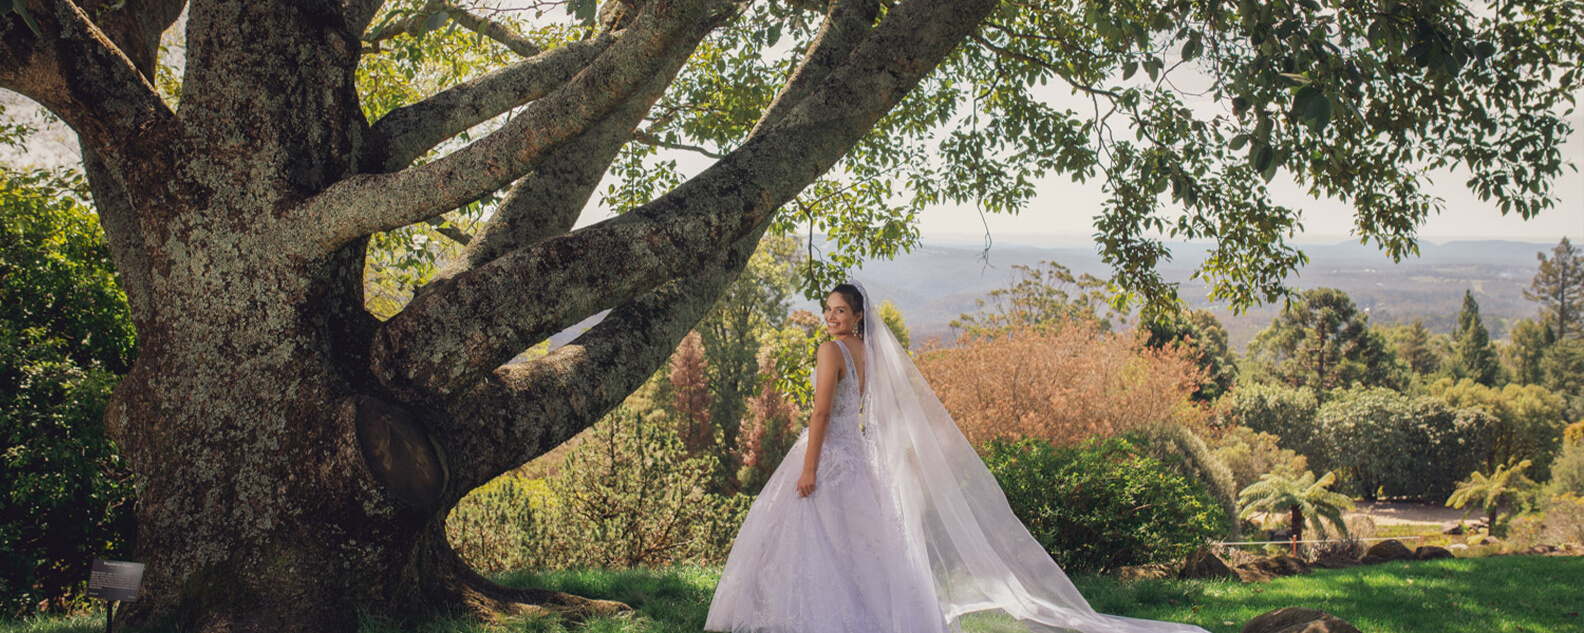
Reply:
x=1059, y=384
x=691, y=394
x=768, y=431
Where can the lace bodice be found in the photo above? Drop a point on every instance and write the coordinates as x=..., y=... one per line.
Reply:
x=846, y=402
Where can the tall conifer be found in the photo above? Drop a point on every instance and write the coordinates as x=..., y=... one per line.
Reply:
x=1473, y=356
x=1559, y=289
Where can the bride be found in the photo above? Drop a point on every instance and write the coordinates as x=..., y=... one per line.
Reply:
x=882, y=518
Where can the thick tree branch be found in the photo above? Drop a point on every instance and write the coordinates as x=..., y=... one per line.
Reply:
x=358, y=13
x=406, y=133
x=366, y=204
x=548, y=201
x=79, y=74
x=522, y=411
x=847, y=23
x=486, y=27
x=448, y=339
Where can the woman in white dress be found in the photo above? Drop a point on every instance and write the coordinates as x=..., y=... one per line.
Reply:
x=883, y=519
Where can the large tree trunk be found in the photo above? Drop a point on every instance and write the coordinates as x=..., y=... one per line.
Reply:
x=295, y=458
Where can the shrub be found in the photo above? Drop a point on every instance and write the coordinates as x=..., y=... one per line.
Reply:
x=1530, y=419
x=630, y=496
x=493, y=527
x=1564, y=519
x=1392, y=445
x=1567, y=470
x=1061, y=384
x=1248, y=453
x=1103, y=504
x=65, y=335
x=1181, y=450
x=1285, y=412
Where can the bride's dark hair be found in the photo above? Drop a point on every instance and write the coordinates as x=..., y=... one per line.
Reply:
x=854, y=299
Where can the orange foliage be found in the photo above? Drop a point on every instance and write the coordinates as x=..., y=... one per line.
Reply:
x=692, y=395
x=1062, y=384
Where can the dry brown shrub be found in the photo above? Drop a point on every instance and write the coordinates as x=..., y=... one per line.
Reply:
x=1060, y=384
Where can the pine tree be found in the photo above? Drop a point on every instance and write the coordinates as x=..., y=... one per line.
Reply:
x=1473, y=356
x=1559, y=288
x=1530, y=341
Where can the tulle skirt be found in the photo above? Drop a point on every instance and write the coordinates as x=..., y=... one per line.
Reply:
x=832, y=562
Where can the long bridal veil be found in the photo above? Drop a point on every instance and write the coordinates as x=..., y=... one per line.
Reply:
x=957, y=520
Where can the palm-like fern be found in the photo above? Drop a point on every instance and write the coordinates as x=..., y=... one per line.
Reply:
x=1306, y=498
x=1489, y=491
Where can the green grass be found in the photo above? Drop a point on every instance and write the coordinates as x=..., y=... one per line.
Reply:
x=1511, y=594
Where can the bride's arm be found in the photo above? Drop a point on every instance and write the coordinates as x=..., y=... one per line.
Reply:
x=826, y=363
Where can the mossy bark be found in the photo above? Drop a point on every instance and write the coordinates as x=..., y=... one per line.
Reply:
x=295, y=458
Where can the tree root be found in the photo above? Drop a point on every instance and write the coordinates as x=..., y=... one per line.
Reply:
x=447, y=580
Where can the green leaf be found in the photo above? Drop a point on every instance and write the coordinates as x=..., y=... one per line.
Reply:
x=435, y=21
x=1239, y=141
x=20, y=7
x=1264, y=158
x=1128, y=69
x=583, y=10
x=1318, y=111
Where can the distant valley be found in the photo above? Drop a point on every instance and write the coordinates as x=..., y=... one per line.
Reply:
x=938, y=282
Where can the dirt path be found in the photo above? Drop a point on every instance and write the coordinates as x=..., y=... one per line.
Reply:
x=1407, y=512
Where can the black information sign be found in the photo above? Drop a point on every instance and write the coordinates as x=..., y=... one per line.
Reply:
x=115, y=580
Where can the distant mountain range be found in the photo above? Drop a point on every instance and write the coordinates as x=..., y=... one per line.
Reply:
x=939, y=282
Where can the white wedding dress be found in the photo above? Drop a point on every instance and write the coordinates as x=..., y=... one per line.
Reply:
x=906, y=531
x=833, y=561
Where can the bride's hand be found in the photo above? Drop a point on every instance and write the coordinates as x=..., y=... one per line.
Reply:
x=806, y=484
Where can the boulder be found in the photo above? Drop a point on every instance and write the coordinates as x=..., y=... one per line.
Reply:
x=1431, y=552
x=1277, y=566
x=1452, y=529
x=1540, y=550
x=1298, y=620
x=1386, y=551
x=1152, y=571
x=1249, y=574
x=1336, y=561
x=1203, y=564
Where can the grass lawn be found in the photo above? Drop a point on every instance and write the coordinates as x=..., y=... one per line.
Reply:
x=1513, y=594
